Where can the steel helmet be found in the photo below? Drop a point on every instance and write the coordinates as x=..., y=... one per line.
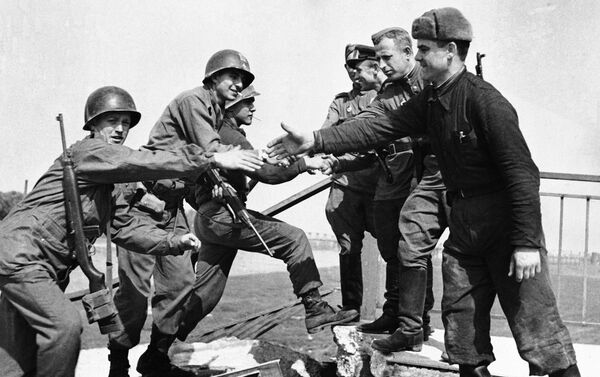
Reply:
x=107, y=99
x=247, y=93
x=228, y=59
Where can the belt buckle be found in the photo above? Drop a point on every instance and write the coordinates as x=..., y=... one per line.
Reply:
x=392, y=148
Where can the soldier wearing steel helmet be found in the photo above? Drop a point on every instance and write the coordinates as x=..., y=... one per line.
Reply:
x=192, y=117
x=39, y=326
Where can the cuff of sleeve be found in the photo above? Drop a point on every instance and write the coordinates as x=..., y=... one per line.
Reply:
x=318, y=147
x=301, y=166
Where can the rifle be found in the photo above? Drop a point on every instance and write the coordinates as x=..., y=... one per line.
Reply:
x=234, y=204
x=479, y=67
x=98, y=304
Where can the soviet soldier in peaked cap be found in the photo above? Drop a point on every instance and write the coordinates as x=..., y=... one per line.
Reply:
x=39, y=326
x=496, y=244
x=350, y=202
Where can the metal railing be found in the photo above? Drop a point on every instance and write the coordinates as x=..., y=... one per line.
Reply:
x=585, y=260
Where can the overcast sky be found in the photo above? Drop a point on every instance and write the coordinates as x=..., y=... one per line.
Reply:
x=542, y=55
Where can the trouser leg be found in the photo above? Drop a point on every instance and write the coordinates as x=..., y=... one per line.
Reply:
x=467, y=299
x=386, y=214
x=532, y=314
x=350, y=214
x=197, y=301
x=52, y=317
x=17, y=342
x=131, y=299
x=173, y=274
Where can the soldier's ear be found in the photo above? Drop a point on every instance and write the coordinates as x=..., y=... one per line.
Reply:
x=452, y=50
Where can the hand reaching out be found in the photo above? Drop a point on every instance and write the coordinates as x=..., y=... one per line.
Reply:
x=292, y=143
x=238, y=159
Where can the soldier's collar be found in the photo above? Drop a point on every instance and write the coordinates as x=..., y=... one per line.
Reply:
x=441, y=92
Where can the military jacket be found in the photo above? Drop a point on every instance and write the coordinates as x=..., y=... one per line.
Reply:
x=474, y=132
x=194, y=116
x=399, y=156
x=346, y=105
x=34, y=234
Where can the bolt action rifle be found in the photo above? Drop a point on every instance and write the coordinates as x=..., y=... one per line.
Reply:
x=98, y=304
x=234, y=204
x=479, y=67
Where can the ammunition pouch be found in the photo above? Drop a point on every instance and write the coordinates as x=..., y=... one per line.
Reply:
x=99, y=307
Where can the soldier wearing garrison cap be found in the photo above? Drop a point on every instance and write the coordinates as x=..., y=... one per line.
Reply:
x=349, y=206
x=496, y=245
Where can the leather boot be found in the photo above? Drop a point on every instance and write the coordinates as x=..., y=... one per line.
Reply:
x=155, y=362
x=319, y=314
x=385, y=324
x=399, y=341
x=409, y=335
x=119, y=363
x=351, y=281
x=571, y=371
x=474, y=371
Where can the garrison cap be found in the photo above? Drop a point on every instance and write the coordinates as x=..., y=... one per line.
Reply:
x=442, y=24
x=359, y=54
x=248, y=92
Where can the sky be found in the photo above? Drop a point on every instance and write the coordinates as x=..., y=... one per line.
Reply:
x=541, y=54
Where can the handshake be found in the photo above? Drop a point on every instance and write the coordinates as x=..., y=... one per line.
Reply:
x=325, y=163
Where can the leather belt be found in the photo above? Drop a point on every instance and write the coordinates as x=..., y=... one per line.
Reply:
x=397, y=147
x=467, y=193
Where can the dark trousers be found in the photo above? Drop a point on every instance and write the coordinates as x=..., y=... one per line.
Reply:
x=350, y=214
x=386, y=214
x=475, y=271
x=171, y=275
x=423, y=219
x=40, y=328
x=220, y=241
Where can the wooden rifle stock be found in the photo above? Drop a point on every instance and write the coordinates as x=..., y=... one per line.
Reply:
x=100, y=308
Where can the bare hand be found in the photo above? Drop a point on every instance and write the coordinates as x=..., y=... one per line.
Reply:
x=292, y=143
x=189, y=242
x=217, y=191
x=238, y=159
x=330, y=164
x=525, y=263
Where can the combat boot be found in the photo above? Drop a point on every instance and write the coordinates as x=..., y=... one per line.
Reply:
x=155, y=362
x=474, y=371
x=319, y=314
x=572, y=371
x=385, y=324
x=119, y=364
x=399, y=341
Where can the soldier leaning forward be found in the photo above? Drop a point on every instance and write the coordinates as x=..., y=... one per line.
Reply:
x=40, y=327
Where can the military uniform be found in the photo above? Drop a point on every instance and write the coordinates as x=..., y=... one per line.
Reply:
x=494, y=190
x=349, y=207
x=222, y=237
x=35, y=258
x=191, y=117
x=393, y=184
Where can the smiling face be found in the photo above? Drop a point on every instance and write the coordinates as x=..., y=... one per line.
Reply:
x=366, y=75
x=394, y=60
x=434, y=60
x=243, y=111
x=227, y=84
x=112, y=127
